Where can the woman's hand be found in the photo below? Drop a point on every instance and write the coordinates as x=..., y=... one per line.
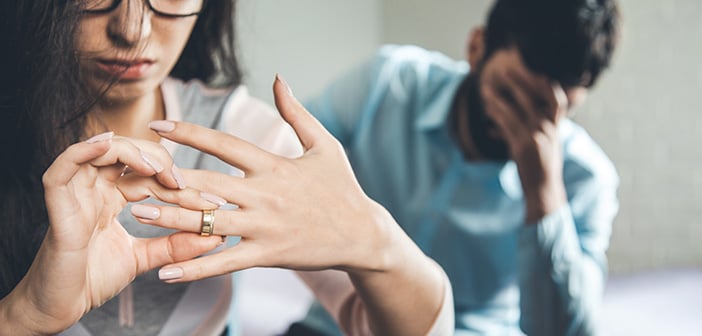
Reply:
x=307, y=213
x=87, y=257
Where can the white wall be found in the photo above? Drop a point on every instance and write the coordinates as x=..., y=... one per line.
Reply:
x=646, y=114
x=307, y=41
x=441, y=25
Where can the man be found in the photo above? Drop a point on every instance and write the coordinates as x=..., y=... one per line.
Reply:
x=482, y=167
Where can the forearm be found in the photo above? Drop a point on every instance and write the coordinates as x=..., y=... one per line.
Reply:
x=26, y=310
x=561, y=286
x=406, y=298
x=402, y=302
x=543, y=197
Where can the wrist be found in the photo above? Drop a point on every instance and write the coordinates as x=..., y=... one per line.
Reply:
x=414, y=281
x=379, y=251
x=29, y=306
x=544, y=200
x=18, y=316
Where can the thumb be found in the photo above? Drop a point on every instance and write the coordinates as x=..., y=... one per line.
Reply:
x=308, y=129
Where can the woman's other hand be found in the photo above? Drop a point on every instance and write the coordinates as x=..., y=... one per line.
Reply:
x=87, y=257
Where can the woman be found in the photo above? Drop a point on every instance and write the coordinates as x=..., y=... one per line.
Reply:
x=85, y=69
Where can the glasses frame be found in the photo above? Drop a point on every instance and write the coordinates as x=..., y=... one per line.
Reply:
x=116, y=3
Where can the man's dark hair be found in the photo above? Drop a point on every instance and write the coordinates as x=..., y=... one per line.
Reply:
x=570, y=41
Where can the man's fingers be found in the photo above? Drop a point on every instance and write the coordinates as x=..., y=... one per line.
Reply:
x=543, y=94
x=228, y=148
x=506, y=120
x=560, y=99
x=533, y=83
x=524, y=100
x=308, y=129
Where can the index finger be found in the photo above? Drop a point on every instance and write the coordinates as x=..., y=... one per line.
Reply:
x=228, y=148
x=308, y=129
x=544, y=93
x=535, y=84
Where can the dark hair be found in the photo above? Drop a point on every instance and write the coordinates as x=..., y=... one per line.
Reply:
x=44, y=105
x=210, y=52
x=570, y=41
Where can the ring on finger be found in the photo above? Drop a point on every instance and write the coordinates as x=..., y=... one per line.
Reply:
x=207, y=224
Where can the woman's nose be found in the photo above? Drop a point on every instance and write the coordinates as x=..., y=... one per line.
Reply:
x=130, y=24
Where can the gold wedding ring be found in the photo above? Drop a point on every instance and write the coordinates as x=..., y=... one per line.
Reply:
x=207, y=226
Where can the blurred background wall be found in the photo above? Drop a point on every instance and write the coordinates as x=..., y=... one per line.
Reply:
x=644, y=112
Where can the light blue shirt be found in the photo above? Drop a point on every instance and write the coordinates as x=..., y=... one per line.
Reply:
x=391, y=115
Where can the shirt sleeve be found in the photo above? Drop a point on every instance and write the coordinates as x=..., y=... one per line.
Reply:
x=335, y=292
x=343, y=103
x=563, y=264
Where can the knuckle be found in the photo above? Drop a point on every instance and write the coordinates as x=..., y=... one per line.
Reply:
x=47, y=179
x=283, y=168
x=275, y=201
x=279, y=166
x=336, y=145
x=171, y=249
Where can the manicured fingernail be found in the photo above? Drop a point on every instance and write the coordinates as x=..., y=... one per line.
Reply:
x=170, y=273
x=178, y=177
x=127, y=170
x=285, y=84
x=151, y=162
x=163, y=126
x=101, y=137
x=214, y=199
x=145, y=211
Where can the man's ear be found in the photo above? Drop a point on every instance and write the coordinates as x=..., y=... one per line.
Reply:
x=476, y=47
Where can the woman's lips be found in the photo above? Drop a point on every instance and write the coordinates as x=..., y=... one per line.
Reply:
x=136, y=69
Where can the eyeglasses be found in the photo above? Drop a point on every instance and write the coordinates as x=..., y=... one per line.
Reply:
x=165, y=8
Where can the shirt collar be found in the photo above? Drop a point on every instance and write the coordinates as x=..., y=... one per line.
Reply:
x=438, y=107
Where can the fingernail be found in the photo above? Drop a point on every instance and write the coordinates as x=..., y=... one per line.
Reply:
x=178, y=177
x=127, y=170
x=163, y=126
x=145, y=211
x=214, y=199
x=101, y=137
x=170, y=273
x=285, y=84
x=151, y=162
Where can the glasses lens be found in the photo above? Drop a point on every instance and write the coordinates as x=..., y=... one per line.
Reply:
x=177, y=7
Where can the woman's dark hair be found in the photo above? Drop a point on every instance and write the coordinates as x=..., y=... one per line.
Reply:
x=210, y=53
x=570, y=41
x=43, y=106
